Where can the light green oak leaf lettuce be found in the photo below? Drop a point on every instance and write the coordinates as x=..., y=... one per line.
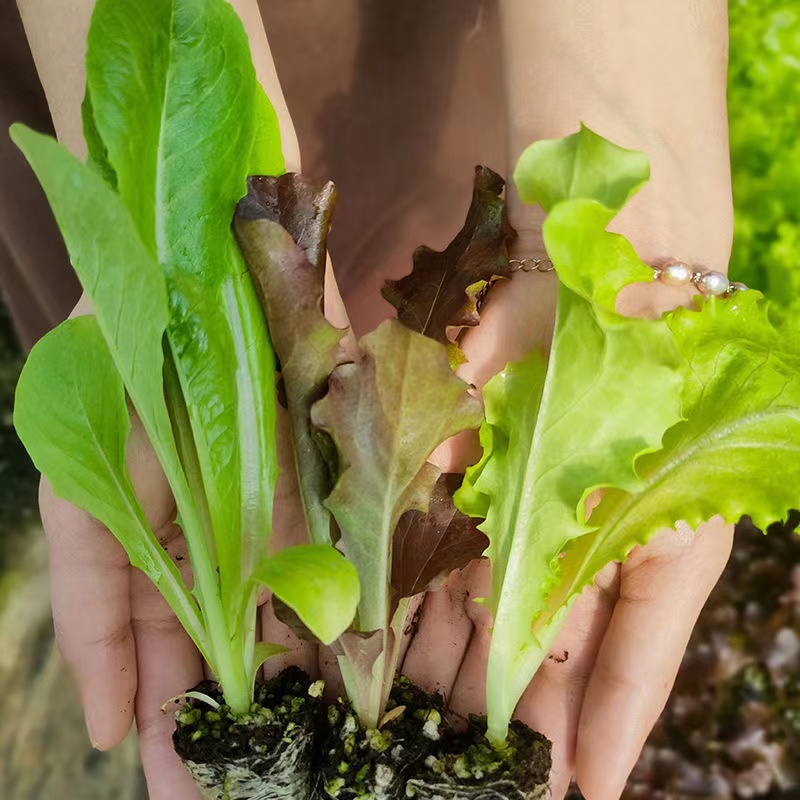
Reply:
x=556, y=431
x=737, y=452
x=692, y=416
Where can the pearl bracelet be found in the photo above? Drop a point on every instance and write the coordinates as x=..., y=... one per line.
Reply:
x=671, y=273
x=677, y=273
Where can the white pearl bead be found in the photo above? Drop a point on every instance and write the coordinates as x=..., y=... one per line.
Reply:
x=675, y=273
x=714, y=283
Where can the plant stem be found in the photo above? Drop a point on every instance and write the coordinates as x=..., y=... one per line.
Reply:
x=228, y=659
x=507, y=677
x=225, y=658
x=396, y=628
x=368, y=683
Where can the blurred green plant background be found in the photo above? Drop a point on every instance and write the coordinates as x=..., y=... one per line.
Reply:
x=18, y=478
x=764, y=114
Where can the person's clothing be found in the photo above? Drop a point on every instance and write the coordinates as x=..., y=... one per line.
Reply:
x=395, y=101
x=36, y=279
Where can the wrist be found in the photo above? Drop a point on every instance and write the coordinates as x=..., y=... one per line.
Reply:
x=650, y=76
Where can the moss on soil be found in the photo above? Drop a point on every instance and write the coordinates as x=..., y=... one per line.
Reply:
x=359, y=763
x=467, y=766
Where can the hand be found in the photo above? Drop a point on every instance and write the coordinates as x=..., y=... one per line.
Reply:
x=127, y=651
x=610, y=671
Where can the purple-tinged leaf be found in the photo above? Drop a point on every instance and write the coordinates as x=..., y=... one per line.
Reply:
x=444, y=291
x=282, y=225
x=387, y=412
x=429, y=546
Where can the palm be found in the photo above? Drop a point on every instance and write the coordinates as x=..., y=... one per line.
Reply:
x=125, y=646
x=616, y=658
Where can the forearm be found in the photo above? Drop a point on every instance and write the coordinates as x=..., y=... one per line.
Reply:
x=56, y=31
x=648, y=75
x=645, y=74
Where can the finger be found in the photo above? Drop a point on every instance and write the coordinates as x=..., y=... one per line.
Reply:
x=517, y=317
x=552, y=702
x=469, y=690
x=169, y=665
x=662, y=590
x=440, y=638
x=90, y=592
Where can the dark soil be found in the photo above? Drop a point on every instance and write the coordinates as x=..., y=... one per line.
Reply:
x=467, y=766
x=354, y=762
x=414, y=753
x=265, y=754
x=731, y=729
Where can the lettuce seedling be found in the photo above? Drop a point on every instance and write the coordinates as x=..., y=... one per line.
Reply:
x=682, y=418
x=365, y=418
x=175, y=121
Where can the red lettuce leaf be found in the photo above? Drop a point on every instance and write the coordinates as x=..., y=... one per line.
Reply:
x=282, y=226
x=444, y=291
x=429, y=546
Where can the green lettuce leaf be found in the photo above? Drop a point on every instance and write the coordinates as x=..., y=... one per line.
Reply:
x=680, y=419
x=178, y=73
x=386, y=413
x=79, y=443
x=597, y=177
x=556, y=432
x=581, y=166
x=261, y=653
x=317, y=583
x=741, y=431
x=130, y=308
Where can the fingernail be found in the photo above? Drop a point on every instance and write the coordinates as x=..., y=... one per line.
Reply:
x=91, y=730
